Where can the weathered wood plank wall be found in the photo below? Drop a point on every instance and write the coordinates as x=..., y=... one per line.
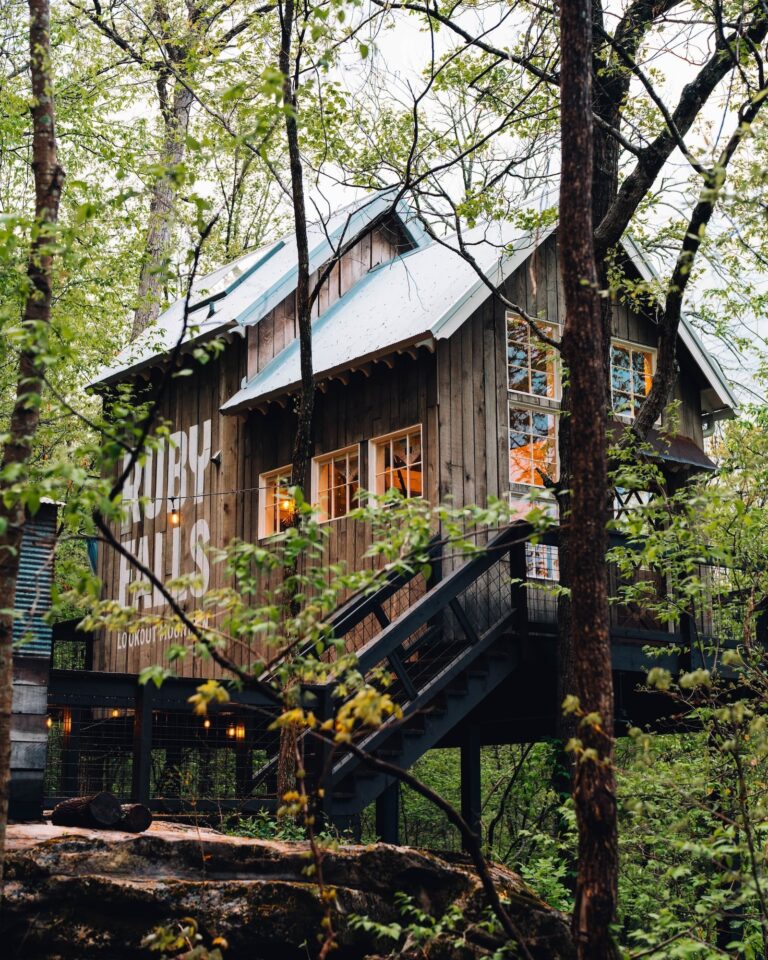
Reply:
x=212, y=472
x=458, y=395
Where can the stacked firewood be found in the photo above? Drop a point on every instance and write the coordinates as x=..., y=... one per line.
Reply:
x=101, y=811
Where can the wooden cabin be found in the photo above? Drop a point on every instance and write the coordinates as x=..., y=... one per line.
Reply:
x=426, y=383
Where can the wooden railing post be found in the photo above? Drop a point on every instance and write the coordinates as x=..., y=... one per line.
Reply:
x=142, y=743
x=471, y=795
x=688, y=640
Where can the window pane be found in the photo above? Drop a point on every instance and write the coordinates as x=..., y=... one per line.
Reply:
x=519, y=380
x=532, y=446
x=620, y=357
x=400, y=452
x=414, y=448
x=530, y=363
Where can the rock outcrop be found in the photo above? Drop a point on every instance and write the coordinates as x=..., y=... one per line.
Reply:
x=76, y=893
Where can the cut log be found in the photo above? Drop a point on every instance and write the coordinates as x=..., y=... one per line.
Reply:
x=101, y=810
x=136, y=818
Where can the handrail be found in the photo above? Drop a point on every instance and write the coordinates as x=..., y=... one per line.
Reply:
x=392, y=636
x=361, y=604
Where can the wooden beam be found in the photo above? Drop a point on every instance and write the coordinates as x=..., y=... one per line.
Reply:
x=388, y=814
x=471, y=794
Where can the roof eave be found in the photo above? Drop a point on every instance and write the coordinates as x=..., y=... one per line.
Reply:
x=235, y=406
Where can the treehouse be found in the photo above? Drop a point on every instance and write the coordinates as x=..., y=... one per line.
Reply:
x=425, y=383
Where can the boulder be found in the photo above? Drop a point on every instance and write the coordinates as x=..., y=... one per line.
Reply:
x=79, y=893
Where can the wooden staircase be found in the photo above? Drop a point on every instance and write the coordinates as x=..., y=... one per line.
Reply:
x=446, y=652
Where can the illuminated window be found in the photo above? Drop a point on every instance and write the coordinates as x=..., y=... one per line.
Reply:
x=531, y=364
x=532, y=445
x=542, y=561
x=631, y=377
x=396, y=462
x=336, y=482
x=277, y=507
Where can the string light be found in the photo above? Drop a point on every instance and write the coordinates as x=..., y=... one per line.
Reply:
x=49, y=722
x=207, y=723
x=174, y=516
x=115, y=713
x=230, y=731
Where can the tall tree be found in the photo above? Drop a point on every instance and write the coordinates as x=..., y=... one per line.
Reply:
x=176, y=47
x=25, y=417
x=584, y=527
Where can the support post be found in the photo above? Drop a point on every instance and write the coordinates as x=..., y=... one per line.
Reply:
x=388, y=814
x=142, y=743
x=471, y=798
x=518, y=571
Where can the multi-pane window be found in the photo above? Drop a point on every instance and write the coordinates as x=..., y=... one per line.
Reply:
x=396, y=463
x=542, y=561
x=631, y=377
x=277, y=505
x=337, y=480
x=532, y=445
x=531, y=364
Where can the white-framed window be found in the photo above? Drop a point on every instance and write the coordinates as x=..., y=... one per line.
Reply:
x=532, y=445
x=335, y=482
x=532, y=366
x=632, y=368
x=396, y=461
x=276, y=506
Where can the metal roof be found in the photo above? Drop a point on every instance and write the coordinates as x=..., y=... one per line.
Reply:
x=421, y=296
x=243, y=292
x=31, y=633
x=427, y=294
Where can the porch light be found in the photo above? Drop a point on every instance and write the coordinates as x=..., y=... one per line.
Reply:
x=230, y=731
x=240, y=731
x=115, y=712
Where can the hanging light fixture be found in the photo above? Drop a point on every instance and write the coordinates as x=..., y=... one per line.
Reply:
x=174, y=516
x=207, y=723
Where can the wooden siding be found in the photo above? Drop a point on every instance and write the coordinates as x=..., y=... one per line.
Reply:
x=29, y=735
x=394, y=395
x=191, y=407
x=472, y=381
x=277, y=329
x=458, y=395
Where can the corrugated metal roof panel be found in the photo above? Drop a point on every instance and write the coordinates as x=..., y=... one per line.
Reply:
x=424, y=294
x=260, y=280
x=31, y=634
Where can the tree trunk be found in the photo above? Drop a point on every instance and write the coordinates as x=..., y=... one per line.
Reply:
x=135, y=818
x=162, y=206
x=100, y=811
x=25, y=415
x=584, y=528
x=286, y=766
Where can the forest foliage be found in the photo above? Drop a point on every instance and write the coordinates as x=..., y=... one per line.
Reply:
x=171, y=131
